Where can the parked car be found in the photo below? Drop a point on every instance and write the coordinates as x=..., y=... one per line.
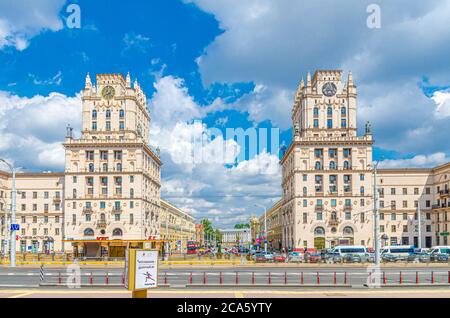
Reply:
x=296, y=257
x=419, y=257
x=352, y=258
x=333, y=257
x=279, y=258
x=259, y=258
x=314, y=257
x=388, y=257
x=268, y=257
x=440, y=253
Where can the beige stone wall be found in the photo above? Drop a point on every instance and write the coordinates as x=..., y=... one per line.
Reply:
x=39, y=210
x=112, y=177
x=181, y=226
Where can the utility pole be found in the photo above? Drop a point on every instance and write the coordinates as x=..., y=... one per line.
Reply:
x=375, y=216
x=5, y=233
x=265, y=226
x=167, y=234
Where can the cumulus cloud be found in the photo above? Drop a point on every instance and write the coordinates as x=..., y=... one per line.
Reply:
x=202, y=184
x=274, y=43
x=21, y=20
x=32, y=129
x=442, y=100
x=419, y=161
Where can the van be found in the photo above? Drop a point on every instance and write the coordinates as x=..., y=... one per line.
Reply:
x=397, y=252
x=348, y=253
x=440, y=253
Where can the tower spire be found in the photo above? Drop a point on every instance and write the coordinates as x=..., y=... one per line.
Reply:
x=128, y=80
x=88, y=83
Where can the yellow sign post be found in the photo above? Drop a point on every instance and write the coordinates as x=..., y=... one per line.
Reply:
x=141, y=271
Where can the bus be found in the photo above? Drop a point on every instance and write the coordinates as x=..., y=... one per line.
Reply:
x=192, y=247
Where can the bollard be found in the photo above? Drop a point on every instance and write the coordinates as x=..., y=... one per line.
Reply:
x=345, y=278
x=237, y=279
x=165, y=278
x=318, y=278
x=303, y=280
x=90, y=279
x=253, y=278
x=269, y=278
x=401, y=278
x=370, y=278
x=334, y=278
x=107, y=279
x=285, y=278
x=432, y=277
x=417, y=278
x=123, y=278
x=204, y=278
x=59, y=278
x=448, y=277
x=384, y=278
x=190, y=279
x=220, y=278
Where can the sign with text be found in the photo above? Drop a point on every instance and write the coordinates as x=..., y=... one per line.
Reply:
x=146, y=269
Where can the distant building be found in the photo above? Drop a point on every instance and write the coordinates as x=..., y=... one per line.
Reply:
x=236, y=237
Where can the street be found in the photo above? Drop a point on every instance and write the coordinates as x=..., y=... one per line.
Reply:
x=227, y=277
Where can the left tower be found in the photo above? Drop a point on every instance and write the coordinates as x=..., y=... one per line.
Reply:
x=112, y=176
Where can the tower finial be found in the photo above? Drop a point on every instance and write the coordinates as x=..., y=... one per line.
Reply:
x=128, y=80
x=88, y=83
x=308, y=79
x=350, y=79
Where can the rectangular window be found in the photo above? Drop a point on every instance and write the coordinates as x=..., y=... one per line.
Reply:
x=102, y=205
x=329, y=123
x=405, y=203
x=319, y=216
x=382, y=228
x=348, y=216
x=416, y=191
x=343, y=123
x=56, y=219
x=131, y=218
x=392, y=191
x=393, y=217
x=122, y=125
x=305, y=218
x=381, y=216
x=333, y=203
x=316, y=123
x=405, y=191
x=46, y=195
x=405, y=216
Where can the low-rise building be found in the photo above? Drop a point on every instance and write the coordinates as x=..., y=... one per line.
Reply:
x=236, y=237
x=180, y=225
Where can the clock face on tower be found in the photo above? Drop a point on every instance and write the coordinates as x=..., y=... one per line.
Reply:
x=329, y=89
x=108, y=92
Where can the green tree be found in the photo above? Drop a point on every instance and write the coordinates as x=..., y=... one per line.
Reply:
x=242, y=226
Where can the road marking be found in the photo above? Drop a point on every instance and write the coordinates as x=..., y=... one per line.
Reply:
x=238, y=295
x=21, y=295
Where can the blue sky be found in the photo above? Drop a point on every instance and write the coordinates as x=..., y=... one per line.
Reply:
x=230, y=64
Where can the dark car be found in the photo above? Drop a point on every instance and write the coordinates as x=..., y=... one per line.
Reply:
x=352, y=258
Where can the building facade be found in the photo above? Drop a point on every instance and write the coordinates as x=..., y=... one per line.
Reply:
x=109, y=193
x=327, y=178
x=274, y=227
x=180, y=224
x=236, y=237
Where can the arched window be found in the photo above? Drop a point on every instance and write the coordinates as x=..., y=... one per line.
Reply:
x=361, y=190
x=105, y=167
x=119, y=167
x=91, y=167
x=305, y=191
x=131, y=193
x=88, y=232
x=333, y=216
x=102, y=217
x=343, y=111
x=108, y=114
x=117, y=232
x=347, y=230
x=121, y=113
x=318, y=166
x=94, y=114
x=346, y=165
x=332, y=165
x=329, y=111
x=319, y=231
x=316, y=111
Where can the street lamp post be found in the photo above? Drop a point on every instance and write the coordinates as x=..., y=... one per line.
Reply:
x=265, y=226
x=12, y=250
x=167, y=234
x=375, y=216
x=5, y=232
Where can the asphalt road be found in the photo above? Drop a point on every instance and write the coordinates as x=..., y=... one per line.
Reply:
x=231, y=277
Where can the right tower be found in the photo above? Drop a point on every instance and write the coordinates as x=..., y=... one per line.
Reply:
x=326, y=171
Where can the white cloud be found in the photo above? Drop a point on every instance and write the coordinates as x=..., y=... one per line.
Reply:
x=442, y=100
x=135, y=41
x=419, y=161
x=206, y=186
x=55, y=80
x=21, y=20
x=274, y=43
x=32, y=129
